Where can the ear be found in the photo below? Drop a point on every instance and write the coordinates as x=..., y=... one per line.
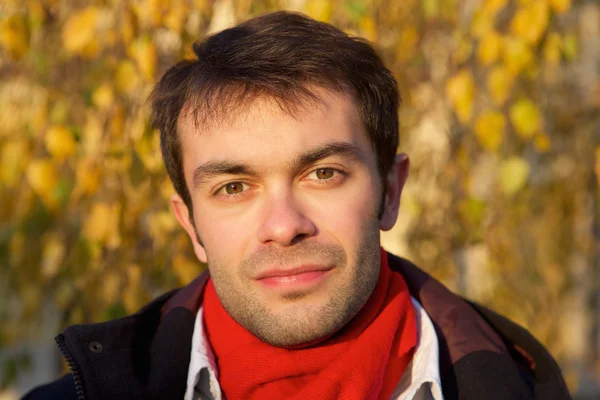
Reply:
x=183, y=216
x=395, y=179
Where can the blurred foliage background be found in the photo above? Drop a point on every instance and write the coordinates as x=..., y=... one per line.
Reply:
x=500, y=118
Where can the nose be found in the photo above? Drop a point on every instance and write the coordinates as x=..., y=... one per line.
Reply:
x=284, y=222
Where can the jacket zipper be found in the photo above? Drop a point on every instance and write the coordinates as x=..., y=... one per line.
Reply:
x=60, y=340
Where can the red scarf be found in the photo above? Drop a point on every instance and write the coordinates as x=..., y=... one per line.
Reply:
x=364, y=360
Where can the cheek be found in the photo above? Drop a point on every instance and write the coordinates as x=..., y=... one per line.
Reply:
x=225, y=239
x=346, y=214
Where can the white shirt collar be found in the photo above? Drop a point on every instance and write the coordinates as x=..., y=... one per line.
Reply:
x=420, y=381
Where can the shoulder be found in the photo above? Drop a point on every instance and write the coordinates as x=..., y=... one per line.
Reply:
x=125, y=342
x=549, y=382
x=481, y=352
x=63, y=389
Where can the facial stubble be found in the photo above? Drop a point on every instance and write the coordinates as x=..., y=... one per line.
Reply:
x=298, y=321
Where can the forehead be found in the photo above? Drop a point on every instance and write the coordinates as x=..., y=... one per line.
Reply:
x=264, y=133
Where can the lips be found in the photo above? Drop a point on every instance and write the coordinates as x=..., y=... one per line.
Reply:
x=291, y=272
x=298, y=279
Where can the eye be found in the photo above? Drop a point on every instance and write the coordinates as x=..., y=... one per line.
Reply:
x=232, y=188
x=324, y=173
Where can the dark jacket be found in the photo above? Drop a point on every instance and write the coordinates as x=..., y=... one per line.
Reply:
x=146, y=355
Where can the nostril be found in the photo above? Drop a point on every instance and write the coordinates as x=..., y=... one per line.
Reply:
x=298, y=238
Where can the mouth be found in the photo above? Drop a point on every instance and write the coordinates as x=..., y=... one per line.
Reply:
x=303, y=276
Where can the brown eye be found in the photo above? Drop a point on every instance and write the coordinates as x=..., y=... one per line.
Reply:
x=234, y=188
x=324, y=173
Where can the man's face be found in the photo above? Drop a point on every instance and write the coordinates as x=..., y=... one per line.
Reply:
x=286, y=210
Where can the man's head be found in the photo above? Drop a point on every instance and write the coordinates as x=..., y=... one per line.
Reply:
x=280, y=140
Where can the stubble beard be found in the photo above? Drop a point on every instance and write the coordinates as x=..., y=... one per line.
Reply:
x=302, y=323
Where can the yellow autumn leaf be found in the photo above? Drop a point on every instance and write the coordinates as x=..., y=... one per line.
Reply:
x=514, y=173
x=464, y=111
x=60, y=142
x=490, y=48
x=126, y=77
x=92, y=50
x=176, y=16
x=319, y=9
x=87, y=178
x=14, y=36
x=492, y=7
x=499, y=84
x=483, y=22
x=431, y=9
x=148, y=12
x=368, y=28
x=103, y=97
x=489, y=129
x=460, y=89
x=517, y=54
x=80, y=29
x=148, y=150
x=42, y=176
x=97, y=224
x=102, y=224
x=539, y=14
x=460, y=86
x=530, y=21
x=525, y=118
x=13, y=157
x=560, y=6
x=144, y=53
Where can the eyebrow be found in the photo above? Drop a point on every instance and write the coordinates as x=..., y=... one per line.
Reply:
x=345, y=150
x=210, y=169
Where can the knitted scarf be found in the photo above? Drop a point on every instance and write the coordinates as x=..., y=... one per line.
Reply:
x=362, y=361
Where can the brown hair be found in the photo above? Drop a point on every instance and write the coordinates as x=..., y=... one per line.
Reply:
x=280, y=56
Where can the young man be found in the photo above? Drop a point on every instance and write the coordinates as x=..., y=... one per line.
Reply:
x=280, y=140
